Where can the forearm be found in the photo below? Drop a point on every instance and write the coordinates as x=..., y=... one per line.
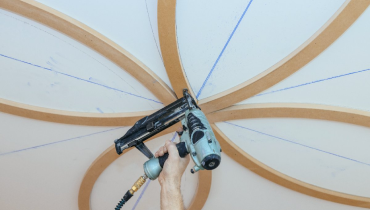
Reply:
x=171, y=198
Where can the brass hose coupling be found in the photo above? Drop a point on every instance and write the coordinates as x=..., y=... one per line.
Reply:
x=131, y=192
x=138, y=184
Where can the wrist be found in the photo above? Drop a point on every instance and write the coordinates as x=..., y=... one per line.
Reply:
x=171, y=183
x=171, y=197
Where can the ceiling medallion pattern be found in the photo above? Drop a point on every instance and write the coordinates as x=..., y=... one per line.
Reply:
x=219, y=107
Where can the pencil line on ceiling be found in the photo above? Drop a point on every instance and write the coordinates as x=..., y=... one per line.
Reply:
x=151, y=27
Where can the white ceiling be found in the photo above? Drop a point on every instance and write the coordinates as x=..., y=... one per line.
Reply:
x=131, y=24
x=45, y=68
x=268, y=31
x=339, y=76
x=328, y=154
x=235, y=187
x=42, y=163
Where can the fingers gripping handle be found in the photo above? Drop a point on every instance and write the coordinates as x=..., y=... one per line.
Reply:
x=163, y=159
x=153, y=167
x=181, y=147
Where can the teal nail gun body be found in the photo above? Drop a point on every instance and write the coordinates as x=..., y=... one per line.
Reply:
x=197, y=139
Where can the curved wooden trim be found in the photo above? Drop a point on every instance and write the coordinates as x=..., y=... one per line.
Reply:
x=110, y=155
x=96, y=41
x=292, y=110
x=322, y=39
x=266, y=172
x=69, y=117
x=168, y=42
x=203, y=189
x=93, y=173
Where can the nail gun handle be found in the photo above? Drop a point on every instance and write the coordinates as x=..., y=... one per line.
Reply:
x=181, y=147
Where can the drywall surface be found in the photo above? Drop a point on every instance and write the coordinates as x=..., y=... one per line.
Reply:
x=223, y=43
x=327, y=154
x=42, y=163
x=234, y=187
x=130, y=24
x=45, y=68
x=339, y=76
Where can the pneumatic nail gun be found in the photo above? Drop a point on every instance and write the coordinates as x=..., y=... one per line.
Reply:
x=196, y=139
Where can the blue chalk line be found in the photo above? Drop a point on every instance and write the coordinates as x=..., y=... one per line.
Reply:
x=313, y=82
x=293, y=142
x=68, y=75
x=223, y=49
x=56, y=142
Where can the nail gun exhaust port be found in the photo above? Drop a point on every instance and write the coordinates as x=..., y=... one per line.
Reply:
x=150, y=127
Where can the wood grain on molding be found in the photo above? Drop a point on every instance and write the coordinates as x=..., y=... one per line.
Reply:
x=292, y=110
x=93, y=173
x=69, y=117
x=289, y=110
x=346, y=15
x=203, y=189
x=168, y=42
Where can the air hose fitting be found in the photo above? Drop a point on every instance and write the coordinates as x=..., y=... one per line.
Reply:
x=131, y=192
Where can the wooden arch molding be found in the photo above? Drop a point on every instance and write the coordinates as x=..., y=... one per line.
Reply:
x=96, y=41
x=168, y=42
x=345, y=16
x=334, y=28
x=292, y=110
x=68, y=117
x=110, y=155
x=310, y=111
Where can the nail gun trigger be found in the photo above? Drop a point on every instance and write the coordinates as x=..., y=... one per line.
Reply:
x=145, y=150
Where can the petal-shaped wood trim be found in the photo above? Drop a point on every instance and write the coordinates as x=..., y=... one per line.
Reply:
x=203, y=189
x=310, y=111
x=69, y=117
x=340, y=22
x=93, y=39
x=168, y=42
x=93, y=173
x=292, y=110
x=110, y=155
x=266, y=172
x=322, y=39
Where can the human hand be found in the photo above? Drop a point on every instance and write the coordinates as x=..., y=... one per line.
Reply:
x=174, y=166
